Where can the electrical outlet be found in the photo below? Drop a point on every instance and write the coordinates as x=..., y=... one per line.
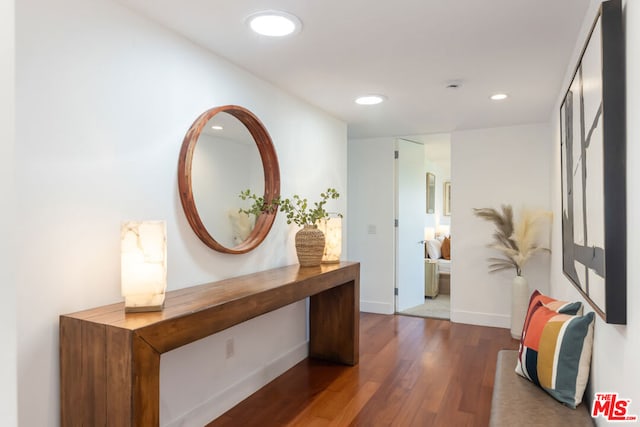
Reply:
x=230, y=348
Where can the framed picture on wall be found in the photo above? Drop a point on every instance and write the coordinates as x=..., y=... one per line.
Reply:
x=592, y=125
x=431, y=193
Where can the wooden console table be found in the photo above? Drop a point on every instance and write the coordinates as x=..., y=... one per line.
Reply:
x=110, y=361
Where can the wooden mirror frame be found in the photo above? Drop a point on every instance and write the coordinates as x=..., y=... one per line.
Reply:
x=270, y=168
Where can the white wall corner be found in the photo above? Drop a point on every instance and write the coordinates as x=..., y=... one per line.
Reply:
x=370, y=220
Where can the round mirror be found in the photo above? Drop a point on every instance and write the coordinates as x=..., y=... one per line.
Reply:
x=227, y=150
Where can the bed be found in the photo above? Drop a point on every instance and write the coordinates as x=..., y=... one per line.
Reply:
x=434, y=251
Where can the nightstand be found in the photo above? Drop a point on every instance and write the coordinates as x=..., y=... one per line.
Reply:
x=430, y=278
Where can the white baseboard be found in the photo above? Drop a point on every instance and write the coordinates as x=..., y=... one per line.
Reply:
x=228, y=398
x=376, y=307
x=481, y=319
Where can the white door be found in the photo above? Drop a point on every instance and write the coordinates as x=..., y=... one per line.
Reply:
x=410, y=214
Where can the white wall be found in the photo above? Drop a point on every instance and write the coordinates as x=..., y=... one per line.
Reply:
x=370, y=220
x=491, y=167
x=8, y=401
x=104, y=98
x=615, y=352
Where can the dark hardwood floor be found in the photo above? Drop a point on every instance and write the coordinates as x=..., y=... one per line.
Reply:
x=412, y=372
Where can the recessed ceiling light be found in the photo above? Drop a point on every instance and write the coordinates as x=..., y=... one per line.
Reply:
x=499, y=96
x=216, y=127
x=370, y=99
x=274, y=23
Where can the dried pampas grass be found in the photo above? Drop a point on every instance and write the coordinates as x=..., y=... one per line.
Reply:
x=519, y=242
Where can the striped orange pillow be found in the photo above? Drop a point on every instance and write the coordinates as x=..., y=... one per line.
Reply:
x=555, y=352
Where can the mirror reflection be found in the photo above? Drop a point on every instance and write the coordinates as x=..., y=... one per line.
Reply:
x=225, y=162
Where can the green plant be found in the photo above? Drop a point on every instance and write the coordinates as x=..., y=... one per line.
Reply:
x=516, y=243
x=259, y=204
x=300, y=212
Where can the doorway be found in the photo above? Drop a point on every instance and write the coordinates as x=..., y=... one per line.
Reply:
x=433, y=217
x=409, y=224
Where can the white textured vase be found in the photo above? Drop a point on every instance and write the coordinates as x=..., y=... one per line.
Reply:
x=519, y=303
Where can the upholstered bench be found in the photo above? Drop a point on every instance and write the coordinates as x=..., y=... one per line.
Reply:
x=518, y=402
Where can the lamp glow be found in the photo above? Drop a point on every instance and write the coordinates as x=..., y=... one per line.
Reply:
x=429, y=233
x=443, y=230
x=499, y=96
x=332, y=229
x=143, y=265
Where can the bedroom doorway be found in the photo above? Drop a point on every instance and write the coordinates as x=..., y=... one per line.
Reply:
x=436, y=223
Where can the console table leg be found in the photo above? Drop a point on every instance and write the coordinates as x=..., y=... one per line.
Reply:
x=146, y=384
x=334, y=317
x=82, y=374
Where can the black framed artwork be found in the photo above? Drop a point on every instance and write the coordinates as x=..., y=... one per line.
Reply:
x=593, y=161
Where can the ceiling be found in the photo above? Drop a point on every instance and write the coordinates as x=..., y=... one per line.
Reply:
x=408, y=50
